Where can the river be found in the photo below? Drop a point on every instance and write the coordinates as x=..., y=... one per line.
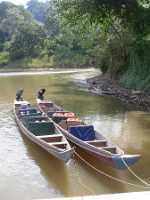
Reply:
x=28, y=172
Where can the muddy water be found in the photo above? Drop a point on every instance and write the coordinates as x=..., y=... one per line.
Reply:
x=28, y=172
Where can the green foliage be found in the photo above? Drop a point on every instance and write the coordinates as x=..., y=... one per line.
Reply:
x=51, y=22
x=45, y=13
x=50, y=46
x=70, y=46
x=122, y=46
x=2, y=40
x=20, y=35
x=109, y=34
x=12, y=18
x=4, y=58
x=97, y=10
x=27, y=43
x=139, y=67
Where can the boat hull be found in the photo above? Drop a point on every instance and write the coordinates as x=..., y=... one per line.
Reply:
x=119, y=161
x=61, y=155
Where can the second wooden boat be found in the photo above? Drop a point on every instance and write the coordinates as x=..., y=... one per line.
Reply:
x=86, y=137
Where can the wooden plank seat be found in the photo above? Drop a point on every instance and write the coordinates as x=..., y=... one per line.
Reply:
x=45, y=136
x=59, y=144
x=46, y=104
x=98, y=143
x=66, y=124
x=52, y=111
x=58, y=119
x=110, y=149
x=51, y=138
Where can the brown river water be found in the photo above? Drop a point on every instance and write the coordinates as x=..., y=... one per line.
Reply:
x=28, y=172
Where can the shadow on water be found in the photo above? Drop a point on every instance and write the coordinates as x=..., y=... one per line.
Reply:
x=54, y=170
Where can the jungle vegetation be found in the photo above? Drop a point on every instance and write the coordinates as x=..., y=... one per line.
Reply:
x=108, y=34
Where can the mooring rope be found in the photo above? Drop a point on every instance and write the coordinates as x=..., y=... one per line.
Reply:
x=83, y=185
x=109, y=176
x=146, y=184
x=134, y=174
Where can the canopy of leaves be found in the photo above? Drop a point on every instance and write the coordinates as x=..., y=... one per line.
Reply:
x=129, y=12
x=20, y=34
x=125, y=26
x=12, y=18
x=45, y=13
x=27, y=42
x=51, y=22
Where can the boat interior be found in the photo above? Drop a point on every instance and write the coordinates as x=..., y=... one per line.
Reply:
x=79, y=129
x=42, y=127
x=50, y=107
x=87, y=133
x=90, y=136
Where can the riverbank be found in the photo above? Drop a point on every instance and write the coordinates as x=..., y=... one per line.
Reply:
x=41, y=71
x=102, y=85
x=27, y=63
x=38, y=64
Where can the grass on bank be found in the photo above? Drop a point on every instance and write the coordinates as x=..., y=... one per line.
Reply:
x=26, y=63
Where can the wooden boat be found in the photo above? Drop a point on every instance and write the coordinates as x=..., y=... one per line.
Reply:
x=41, y=130
x=86, y=137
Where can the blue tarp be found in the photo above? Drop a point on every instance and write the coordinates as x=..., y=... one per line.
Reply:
x=84, y=133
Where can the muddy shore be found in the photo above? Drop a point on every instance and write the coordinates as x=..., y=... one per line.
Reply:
x=101, y=85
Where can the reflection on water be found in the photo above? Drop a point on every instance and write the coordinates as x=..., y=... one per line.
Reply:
x=51, y=168
x=28, y=172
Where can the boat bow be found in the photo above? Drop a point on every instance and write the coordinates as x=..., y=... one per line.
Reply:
x=124, y=161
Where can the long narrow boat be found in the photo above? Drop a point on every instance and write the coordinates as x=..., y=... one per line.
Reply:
x=86, y=137
x=40, y=130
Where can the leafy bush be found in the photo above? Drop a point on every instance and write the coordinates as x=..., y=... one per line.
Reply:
x=4, y=58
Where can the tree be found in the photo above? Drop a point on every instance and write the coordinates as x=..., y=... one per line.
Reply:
x=51, y=22
x=117, y=19
x=129, y=12
x=12, y=17
x=27, y=42
x=2, y=40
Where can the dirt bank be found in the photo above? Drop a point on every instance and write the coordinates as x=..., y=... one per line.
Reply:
x=102, y=85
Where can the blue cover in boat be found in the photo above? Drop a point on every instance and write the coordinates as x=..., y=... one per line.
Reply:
x=24, y=106
x=84, y=133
